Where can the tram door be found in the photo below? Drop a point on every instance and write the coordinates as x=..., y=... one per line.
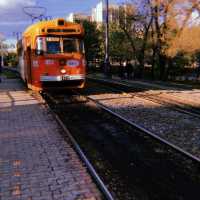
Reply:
x=29, y=66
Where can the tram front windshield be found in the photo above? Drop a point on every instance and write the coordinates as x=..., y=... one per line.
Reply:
x=55, y=45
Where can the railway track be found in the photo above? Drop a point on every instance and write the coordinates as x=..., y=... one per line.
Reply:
x=138, y=91
x=179, y=126
x=100, y=184
x=146, y=166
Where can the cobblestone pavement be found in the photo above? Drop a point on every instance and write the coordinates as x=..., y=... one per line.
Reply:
x=36, y=163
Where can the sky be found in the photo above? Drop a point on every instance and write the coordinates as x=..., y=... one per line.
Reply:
x=13, y=19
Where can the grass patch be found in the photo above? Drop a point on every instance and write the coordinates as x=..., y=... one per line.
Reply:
x=9, y=74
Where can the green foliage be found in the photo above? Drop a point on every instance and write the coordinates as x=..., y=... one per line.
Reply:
x=179, y=62
x=11, y=59
x=150, y=34
x=92, y=41
x=9, y=74
x=120, y=48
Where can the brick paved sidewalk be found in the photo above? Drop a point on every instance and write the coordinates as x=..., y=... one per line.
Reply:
x=35, y=162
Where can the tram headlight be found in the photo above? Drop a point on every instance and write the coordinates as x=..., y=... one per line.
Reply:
x=63, y=71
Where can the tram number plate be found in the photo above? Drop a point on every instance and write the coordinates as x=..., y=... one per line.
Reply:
x=64, y=78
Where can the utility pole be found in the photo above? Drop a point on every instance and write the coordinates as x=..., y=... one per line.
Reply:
x=1, y=53
x=2, y=56
x=17, y=35
x=107, y=68
x=2, y=59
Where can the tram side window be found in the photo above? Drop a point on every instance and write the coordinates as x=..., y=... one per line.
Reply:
x=53, y=47
x=70, y=45
x=39, y=46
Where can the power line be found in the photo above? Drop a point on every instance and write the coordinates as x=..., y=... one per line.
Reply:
x=36, y=13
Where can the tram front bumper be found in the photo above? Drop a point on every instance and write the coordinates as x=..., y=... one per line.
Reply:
x=62, y=78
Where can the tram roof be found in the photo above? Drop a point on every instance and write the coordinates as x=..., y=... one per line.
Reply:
x=57, y=26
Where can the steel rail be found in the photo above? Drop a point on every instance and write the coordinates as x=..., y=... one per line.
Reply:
x=147, y=132
x=176, y=106
x=90, y=168
x=137, y=127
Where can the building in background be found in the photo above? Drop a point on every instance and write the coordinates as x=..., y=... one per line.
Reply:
x=127, y=8
x=8, y=52
x=113, y=13
x=99, y=13
x=72, y=17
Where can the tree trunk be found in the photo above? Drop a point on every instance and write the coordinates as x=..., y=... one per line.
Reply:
x=153, y=64
x=169, y=67
x=142, y=52
x=162, y=66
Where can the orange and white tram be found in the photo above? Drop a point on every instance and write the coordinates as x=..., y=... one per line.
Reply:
x=51, y=55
